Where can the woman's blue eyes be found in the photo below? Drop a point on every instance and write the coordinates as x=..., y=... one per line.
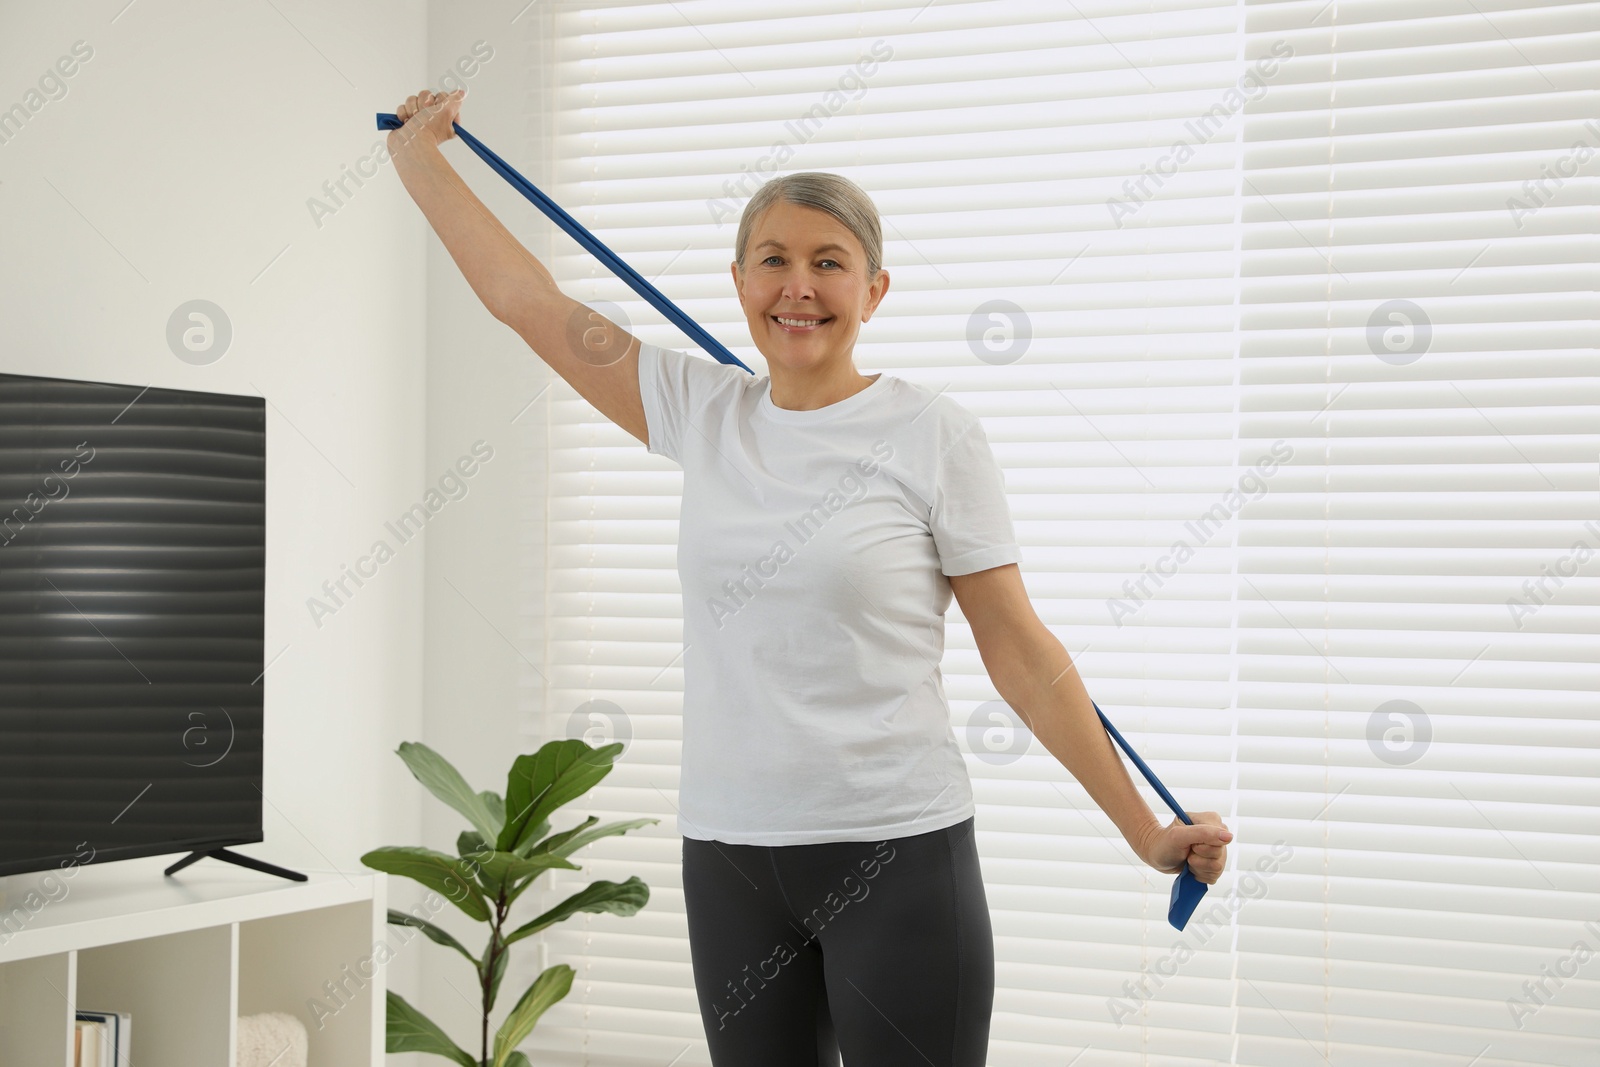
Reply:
x=769, y=259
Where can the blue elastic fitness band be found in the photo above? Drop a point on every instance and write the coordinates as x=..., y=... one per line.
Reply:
x=1187, y=890
x=634, y=280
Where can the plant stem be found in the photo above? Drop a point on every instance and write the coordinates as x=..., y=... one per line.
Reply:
x=491, y=961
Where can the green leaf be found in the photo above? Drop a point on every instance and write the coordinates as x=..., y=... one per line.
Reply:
x=531, y=838
x=444, y=874
x=546, y=990
x=616, y=898
x=499, y=972
x=517, y=1059
x=549, y=844
x=501, y=871
x=565, y=844
x=411, y=1031
x=434, y=933
x=497, y=810
x=542, y=781
x=446, y=783
x=470, y=841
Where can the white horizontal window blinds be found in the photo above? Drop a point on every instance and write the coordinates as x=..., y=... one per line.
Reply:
x=1419, y=610
x=1086, y=163
x=1020, y=153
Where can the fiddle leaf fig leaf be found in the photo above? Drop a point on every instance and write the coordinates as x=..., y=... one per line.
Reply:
x=542, y=781
x=531, y=838
x=440, y=872
x=496, y=808
x=565, y=844
x=502, y=854
x=434, y=933
x=546, y=990
x=499, y=973
x=617, y=898
x=442, y=780
x=502, y=871
x=549, y=844
x=409, y=1030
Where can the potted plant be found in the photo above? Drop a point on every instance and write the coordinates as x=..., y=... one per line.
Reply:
x=508, y=846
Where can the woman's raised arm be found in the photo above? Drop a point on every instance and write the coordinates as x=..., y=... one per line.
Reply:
x=592, y=354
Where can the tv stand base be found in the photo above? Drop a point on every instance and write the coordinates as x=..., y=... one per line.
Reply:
x=237, y=858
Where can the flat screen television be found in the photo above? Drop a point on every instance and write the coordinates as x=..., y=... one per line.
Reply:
x=132, y=567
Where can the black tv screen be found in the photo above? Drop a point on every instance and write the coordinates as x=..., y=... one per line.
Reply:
x=132, y=568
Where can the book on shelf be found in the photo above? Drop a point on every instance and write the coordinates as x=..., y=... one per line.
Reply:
x=102, y=1039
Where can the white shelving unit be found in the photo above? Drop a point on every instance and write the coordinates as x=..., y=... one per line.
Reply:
x=186, y=955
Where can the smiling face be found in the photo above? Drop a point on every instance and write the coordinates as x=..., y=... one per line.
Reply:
x=805, y=289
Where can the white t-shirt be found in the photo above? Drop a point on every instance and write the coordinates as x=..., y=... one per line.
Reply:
x=813, y=550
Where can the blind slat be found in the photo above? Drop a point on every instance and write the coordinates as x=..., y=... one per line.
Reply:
x=1363, y=659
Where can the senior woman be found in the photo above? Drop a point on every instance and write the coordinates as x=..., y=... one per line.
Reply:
x=830, y=873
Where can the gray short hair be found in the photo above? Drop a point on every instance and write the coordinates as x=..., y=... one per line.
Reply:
x=833, y=193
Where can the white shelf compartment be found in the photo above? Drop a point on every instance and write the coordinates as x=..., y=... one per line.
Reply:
x=187, y=954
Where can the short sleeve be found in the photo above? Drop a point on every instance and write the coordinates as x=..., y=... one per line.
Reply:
x=674, y=385
x=663, y=390
x=971, y=518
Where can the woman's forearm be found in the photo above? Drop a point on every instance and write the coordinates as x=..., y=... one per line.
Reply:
x=494, y=262
x=1042, y=685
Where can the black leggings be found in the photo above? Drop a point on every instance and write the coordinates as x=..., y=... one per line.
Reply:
x=881, y=950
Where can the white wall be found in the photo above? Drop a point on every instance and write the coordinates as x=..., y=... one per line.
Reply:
x=179, y=165
x=485, y=551
x=186, y=160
